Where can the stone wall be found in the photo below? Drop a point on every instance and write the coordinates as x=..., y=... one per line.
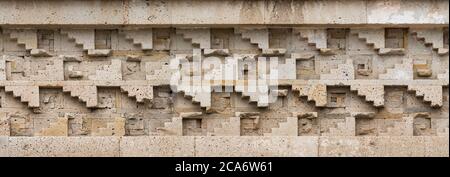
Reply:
x=99, y=78
x=213, y=12
x=245, y=146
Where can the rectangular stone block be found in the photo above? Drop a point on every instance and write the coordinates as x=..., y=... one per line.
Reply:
x=404, y=146
x=339, y=146
x=224, y=12
x=226, y=146
x=63, y=146
x=157, y=146
x=256, y=146
x=437, y=146
x=378, y=146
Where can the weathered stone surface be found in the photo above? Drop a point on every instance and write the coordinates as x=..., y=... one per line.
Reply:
x=142, y=37
x=315, y=93
x=4, y=146
x=256, y=146
x=390, y=51
x=381, y=146
x=39, y=53
x=216, y=52
x=25, y=37
x=372, y=36
x=99, y=52
x=157, y=146
x=63, y=146
x=224, y=78
x=227, y=146
x=28, y=94
x=424, y=72
x=288, y=128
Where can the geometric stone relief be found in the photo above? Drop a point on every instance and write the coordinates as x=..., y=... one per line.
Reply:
x=260, y=97
x=86, y=93
x=314, y=36
x=204, y=98
x=52, y=70
x=431, y=94
x=230, y=127
x=258, y=36
x=175, y=126
x=141, y=93
x=372, y=93
x=4, y=124
x=401, y=71
x=142, y=37
x=444, y=76
x=200, y=36
x=161, y=74
x=374, y=37
x=83, y=37
x=316, y=92
x=26, y=37
x=58, y=127
x=108, y=72
x=288, y=128
x=28, y=94
x=125, y=86
x=343, y=72
x=346, y=127
x=101, y=127
x=432, y=37
x=244, y=74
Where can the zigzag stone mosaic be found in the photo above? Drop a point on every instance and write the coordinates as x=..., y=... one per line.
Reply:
x=210, y=84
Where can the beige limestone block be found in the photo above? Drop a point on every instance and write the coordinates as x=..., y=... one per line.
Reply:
x=246, y=146
x=26, y=37
x=157, y=146
x=372, y=36
x=200, y=36
x=99, y=52
x=114, y=127
x=58, y=127
x=142, y=37
x=63, y=146
x=85, y=93
x=372, y=93
x=288, y=128
x=344, y=71
x=432, y=94
x=314, y=36
x=437, y=146
x=376, y=146
x=27, y=93
x=231, y=127
x=172, y=128
x=141, y=93
x=313, y=92
x=258, y=36
x=39, y=53
x=216, y=52
x=339, y=146
x=4, y=146
x=83, y=37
